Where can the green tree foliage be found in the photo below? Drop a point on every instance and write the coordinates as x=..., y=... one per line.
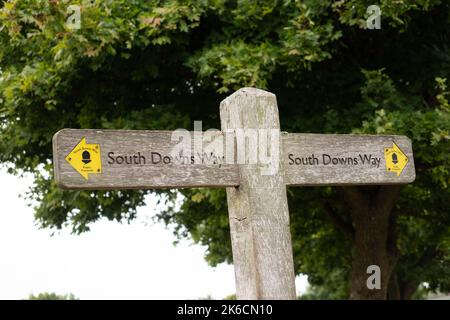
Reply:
x=52, y=296
x=138, y=64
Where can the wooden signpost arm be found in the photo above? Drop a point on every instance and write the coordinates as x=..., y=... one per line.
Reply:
x=255, y=168
x=258, y=209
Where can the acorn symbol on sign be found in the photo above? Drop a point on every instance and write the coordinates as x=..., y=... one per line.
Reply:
x=86, y=157
x=394, y=158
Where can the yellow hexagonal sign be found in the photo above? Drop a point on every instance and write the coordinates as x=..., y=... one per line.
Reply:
x=396, y=159
x=85, y=158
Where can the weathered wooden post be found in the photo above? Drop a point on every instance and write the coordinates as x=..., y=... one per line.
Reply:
x=257, y=208
x=255, y=177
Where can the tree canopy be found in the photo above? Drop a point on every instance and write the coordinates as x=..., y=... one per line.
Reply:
x=140, y=64
x=52, y=296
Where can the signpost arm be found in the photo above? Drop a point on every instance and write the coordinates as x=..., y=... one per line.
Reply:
x=258, y=209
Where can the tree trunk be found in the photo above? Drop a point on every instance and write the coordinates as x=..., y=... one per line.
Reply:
x=374, y=242
x=393, y=288
x=399, y=290
x=407, y=290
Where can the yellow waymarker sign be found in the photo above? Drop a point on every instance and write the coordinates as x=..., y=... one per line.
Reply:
x=396, y=160
x=85, y=158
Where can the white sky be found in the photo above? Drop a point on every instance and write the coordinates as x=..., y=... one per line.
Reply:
x=112, y=261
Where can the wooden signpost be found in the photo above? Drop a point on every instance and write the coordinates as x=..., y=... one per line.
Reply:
x=252, y=159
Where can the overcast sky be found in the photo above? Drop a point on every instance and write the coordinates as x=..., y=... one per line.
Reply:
x=112, y=261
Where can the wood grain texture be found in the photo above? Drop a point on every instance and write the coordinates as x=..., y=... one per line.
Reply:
x=258, y=209
x=343, y=147
x=294, y=146
x=135, y=176
x=257, y=201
